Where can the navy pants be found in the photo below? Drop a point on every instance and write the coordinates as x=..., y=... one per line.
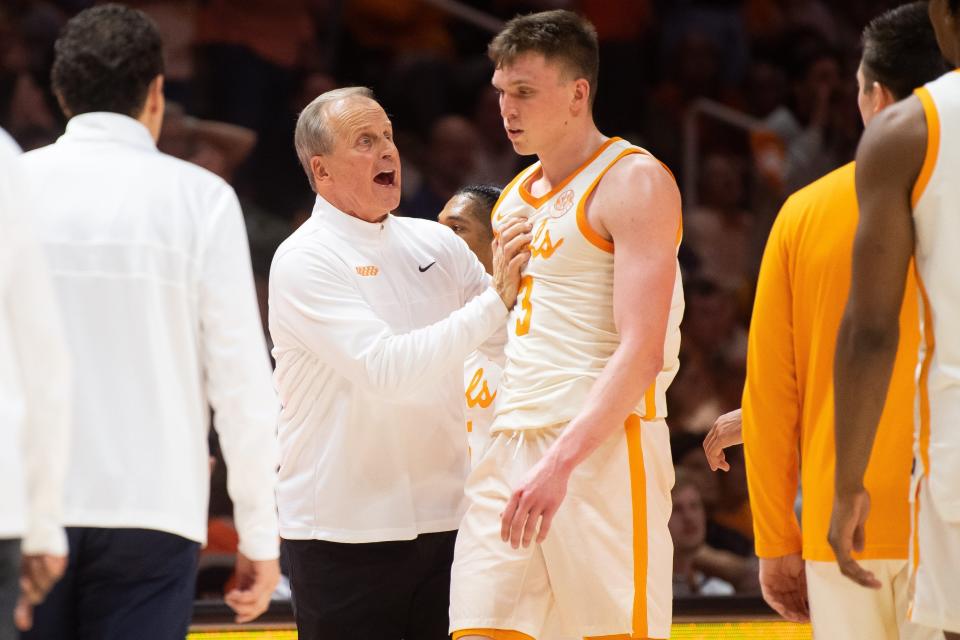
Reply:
x=377, y=590
x=121, y=584
x=9, y=585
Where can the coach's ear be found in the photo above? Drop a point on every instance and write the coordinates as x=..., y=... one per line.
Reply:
x=318, y=170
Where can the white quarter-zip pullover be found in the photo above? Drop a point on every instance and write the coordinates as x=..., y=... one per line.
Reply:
x=150, y=261
x=371, y=324
x=34, y=378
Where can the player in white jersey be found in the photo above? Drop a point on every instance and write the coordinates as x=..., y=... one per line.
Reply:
x=569, y=503
x=467, y=214
x=909, y=195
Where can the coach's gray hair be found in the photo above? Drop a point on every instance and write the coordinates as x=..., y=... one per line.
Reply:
x=314, y=135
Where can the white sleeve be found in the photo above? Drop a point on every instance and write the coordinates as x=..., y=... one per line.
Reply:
x=314, y=299
x=475, y=280
x=42, y=357
x=239, y=386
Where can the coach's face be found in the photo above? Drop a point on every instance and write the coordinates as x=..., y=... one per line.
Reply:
x=361, y=175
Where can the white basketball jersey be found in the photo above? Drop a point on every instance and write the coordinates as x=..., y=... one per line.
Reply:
x=480, y=382
x=936, y=217
x=562, y=331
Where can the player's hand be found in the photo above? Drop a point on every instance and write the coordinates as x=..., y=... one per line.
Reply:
x=256, y=581
x=38, y=574
x=725, y=432
x=850, y=511
x=534, y=503
x=511, y=251
x=783, y=583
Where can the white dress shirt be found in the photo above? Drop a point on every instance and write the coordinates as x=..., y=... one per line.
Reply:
x=152, y=269
x=371, y=324
x=34, y=378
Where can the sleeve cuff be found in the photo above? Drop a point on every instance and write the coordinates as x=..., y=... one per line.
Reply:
x=49, y=541
x=493, y=302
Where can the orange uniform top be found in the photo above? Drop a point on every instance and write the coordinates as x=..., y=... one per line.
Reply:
x=788, y=399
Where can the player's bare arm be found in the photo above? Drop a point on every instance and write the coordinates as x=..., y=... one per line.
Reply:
x=637, y=206
x=889, y=160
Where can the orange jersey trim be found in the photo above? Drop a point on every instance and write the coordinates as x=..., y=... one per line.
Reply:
x=923, y=384
x=503, y=194
x=638, y=492
x=933, y=144
x=495, y=634
x=583, y=224
x=536, y=203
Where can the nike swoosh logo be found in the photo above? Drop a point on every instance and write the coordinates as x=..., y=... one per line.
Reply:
x=422, y=269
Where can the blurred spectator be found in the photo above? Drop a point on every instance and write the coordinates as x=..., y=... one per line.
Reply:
x=719, y=229
x=713, y=356
x=177, y=22
x=688, y=528
x=451, y=160
x=218, y=147
x=724, y=498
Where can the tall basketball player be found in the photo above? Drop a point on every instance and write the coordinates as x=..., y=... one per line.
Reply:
x=569, y=503
x=908, y=192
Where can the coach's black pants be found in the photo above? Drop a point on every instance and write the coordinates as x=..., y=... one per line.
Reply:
x=9, y=585
x=383, y=590
x=121, y=584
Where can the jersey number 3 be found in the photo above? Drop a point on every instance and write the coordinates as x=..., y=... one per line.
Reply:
x=526, y=290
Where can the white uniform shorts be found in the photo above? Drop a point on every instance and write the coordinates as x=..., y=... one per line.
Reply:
x=605, y=568
x=935, y=558
x=840, y=609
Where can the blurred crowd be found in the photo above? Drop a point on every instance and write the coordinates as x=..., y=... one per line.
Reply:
x=239, y=71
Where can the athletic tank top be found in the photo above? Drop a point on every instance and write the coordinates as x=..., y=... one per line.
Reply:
x=936, y=217
x=562, y=331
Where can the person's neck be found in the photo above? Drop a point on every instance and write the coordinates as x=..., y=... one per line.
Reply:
x=343, y=207
x=569, y=153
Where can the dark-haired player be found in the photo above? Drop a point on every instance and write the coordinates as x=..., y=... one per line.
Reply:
x=787, y=418
x=150, y=262
x=909, y=195
x=467, y=213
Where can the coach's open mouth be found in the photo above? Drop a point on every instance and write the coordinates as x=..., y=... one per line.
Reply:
x=386, y=178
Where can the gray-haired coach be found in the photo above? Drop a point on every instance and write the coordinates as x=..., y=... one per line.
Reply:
x=372, y=317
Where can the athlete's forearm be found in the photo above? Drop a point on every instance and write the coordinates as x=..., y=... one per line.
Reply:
x=630, y=371
x=862, y=369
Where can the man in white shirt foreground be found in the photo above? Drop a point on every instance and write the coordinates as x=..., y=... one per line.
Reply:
x=372, y=317
x=34, y=407
x=152, y=271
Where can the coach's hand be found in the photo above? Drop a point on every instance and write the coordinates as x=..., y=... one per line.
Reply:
x=726, y=432
x=850, y=511
x=38, y=574
x=256, y=581
x=511, y=250
x=783, y=583
x=535, y=502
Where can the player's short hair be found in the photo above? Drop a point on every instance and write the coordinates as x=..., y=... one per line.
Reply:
x=954, y=6
x=313, y=135
x=105, y=59
x=900, y=49
x=485, y=197
x=560, y=36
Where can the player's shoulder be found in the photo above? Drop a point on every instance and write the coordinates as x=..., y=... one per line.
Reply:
x=638, y=173
x=837, y=185
x=898, y=131
x=819, y=205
